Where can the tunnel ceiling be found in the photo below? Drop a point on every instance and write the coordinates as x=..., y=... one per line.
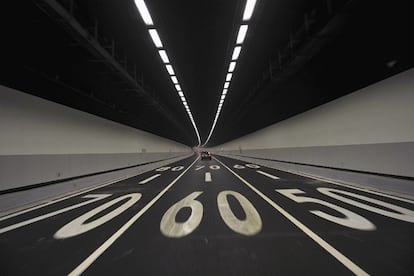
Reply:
x=298, y=54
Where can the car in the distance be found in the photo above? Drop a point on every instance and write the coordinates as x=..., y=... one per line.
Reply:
x=205, y=155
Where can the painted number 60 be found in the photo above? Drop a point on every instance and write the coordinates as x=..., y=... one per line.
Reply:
x=251, y=225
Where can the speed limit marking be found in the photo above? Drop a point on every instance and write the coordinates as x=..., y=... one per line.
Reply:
x=315, y=237
x=101, y=249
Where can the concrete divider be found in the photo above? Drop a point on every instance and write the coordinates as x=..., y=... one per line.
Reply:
x=370, y=130
x=41, y=141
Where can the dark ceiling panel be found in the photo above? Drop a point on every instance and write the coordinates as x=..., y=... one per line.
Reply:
x=298, y=54
x=197, y=34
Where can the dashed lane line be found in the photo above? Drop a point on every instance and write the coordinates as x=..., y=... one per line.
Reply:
x=207, y=177
x=268, y=174
x=98, y=252
x=145, y=181
x=322, y=243
x=389, y=194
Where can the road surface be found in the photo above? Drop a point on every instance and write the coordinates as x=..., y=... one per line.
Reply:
x=218, y=217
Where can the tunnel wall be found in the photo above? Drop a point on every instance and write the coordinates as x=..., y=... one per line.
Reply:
x=370, y=130
x=42, y=141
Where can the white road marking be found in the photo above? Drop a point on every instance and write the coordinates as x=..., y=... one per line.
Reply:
x=39, y=218
x=250, y=225
x=348, y=185
x=268, y=175
x=145, y=181
x=207, y=177
x=163, y=169
x=169, y=227
x=98, y=252
x=88, y=220
x=198, y=167
x=66, y=197
x=329, y=248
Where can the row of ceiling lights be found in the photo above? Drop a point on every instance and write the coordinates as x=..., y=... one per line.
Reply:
x=146, y=17
x=241, y=35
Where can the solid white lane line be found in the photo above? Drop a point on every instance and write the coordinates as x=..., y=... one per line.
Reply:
x=39, y=218
x=145, y=181
x=325, y=245
x=268, y=175
x=207, y=177
x=98, y=252
x=67, y=197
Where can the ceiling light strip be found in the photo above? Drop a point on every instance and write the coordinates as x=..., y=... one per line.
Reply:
x=241, y=36
x=146, y=17
x=248, y=9
x=236, y=53
x=155, y=38
x=164, y=56
x=242, y=33
x=143, y=11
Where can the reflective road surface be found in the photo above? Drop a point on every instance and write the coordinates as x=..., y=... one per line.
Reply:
x=218, y=217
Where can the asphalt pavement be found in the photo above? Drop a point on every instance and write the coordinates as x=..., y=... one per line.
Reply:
x=218, y=217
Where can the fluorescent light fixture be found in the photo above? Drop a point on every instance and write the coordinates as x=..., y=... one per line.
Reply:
x=236, y=53
x=228, y=77
x=146, y=17
x=143, y=11
x=232, y=66
x=170, y=69
x=248, y=9
x=242, y=34
x=164, y=57
x=155, y=38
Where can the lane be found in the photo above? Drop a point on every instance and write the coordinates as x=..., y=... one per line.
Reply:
x=55, y=238
x=198, y=217
x=373, y=230
x=214, y=228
